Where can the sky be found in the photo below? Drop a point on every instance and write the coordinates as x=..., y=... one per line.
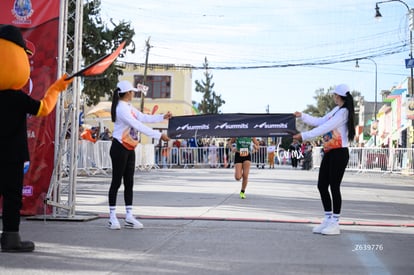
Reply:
x=272, y=56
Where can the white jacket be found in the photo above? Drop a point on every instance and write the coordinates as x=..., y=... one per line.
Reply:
x=128, y=117
x=332, y=126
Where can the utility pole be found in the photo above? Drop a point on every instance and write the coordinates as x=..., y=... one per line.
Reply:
x=147, y=44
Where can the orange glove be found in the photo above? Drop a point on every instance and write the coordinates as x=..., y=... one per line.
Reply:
x=49, y=100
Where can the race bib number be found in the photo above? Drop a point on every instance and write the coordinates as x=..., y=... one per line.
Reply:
x=244, y=152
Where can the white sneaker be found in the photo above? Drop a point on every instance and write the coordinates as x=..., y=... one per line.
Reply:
x=114, y=224
x=331, y=229
x=131, y=222
x=318, y=229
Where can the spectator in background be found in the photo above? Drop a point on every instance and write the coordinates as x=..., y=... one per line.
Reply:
x=175, y=151
x=294, y=150
x=158, y=154
x=165, y=151
x=81, y=129
x=227, y=154
x=192, y=142
x=184, y=153
x=307, y=156
x=192, y=151
x=200, y=151
x=261, y=155
x=221, y=156
x=105, y=135
x=212, y=154
x=90, y=134
x=177, y=143
x=271, y=155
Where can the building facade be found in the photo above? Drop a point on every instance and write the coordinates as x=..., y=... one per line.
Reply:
x=169, y=89
x=395, y=116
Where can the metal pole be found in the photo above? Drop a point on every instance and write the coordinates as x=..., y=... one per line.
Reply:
x=375, y=105
x=375, y=92
x=411, y=56
x=411, y=26
x=145, y=73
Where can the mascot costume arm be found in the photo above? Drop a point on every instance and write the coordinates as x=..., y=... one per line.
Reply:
x=47, y=104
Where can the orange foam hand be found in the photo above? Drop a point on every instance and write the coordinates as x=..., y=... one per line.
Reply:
x=48, y=103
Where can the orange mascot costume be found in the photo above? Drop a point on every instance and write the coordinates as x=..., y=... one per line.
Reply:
x=14, y=107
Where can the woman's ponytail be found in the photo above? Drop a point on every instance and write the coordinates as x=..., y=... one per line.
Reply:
x=115, y=100
x=349, y=104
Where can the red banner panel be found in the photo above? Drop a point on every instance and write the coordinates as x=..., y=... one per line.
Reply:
x=39, y=23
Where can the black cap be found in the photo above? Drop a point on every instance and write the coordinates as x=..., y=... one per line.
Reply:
x=13, y=34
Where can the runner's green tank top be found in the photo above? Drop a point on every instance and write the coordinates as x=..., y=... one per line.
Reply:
x=243, y=142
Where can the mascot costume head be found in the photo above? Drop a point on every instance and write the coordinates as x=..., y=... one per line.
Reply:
x=14, y=107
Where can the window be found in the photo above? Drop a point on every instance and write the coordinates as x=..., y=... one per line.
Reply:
x=158, y=85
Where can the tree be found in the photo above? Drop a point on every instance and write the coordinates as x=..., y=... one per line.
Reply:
x=211, y=102
x=99, y=40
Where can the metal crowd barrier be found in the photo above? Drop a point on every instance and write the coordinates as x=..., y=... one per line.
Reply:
x=93, y=158
x=212, y=157
x=384, y=160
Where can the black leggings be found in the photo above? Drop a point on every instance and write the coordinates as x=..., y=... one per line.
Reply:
x=331, y=172
x=11, y=184
x=123, y=167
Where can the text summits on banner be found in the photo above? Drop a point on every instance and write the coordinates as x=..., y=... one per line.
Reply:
x=232, y=125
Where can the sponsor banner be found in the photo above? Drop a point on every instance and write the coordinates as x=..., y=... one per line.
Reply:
x=232, y=125
x=39, y=22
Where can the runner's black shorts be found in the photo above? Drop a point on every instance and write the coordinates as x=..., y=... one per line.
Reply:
x=239, y=159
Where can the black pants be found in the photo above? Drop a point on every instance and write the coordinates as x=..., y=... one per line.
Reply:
x=11, y=185
x=123, y=167
x=331, y=172
x=294, y=162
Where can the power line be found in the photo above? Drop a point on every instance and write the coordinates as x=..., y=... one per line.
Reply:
x=299, y=64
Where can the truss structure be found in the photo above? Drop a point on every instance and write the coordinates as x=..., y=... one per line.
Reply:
x=62, y=189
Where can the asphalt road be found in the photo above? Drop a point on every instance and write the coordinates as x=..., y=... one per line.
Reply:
x=195, y=223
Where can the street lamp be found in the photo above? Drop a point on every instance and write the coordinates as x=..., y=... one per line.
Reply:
x=410, y=26
x=376, y=92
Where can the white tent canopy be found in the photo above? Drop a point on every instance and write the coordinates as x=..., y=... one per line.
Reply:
x=102, y=110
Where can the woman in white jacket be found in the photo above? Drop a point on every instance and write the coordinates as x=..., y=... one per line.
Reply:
x=338, y=129
x=128, y=121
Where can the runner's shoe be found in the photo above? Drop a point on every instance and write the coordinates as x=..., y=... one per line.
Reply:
x=242, y=195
